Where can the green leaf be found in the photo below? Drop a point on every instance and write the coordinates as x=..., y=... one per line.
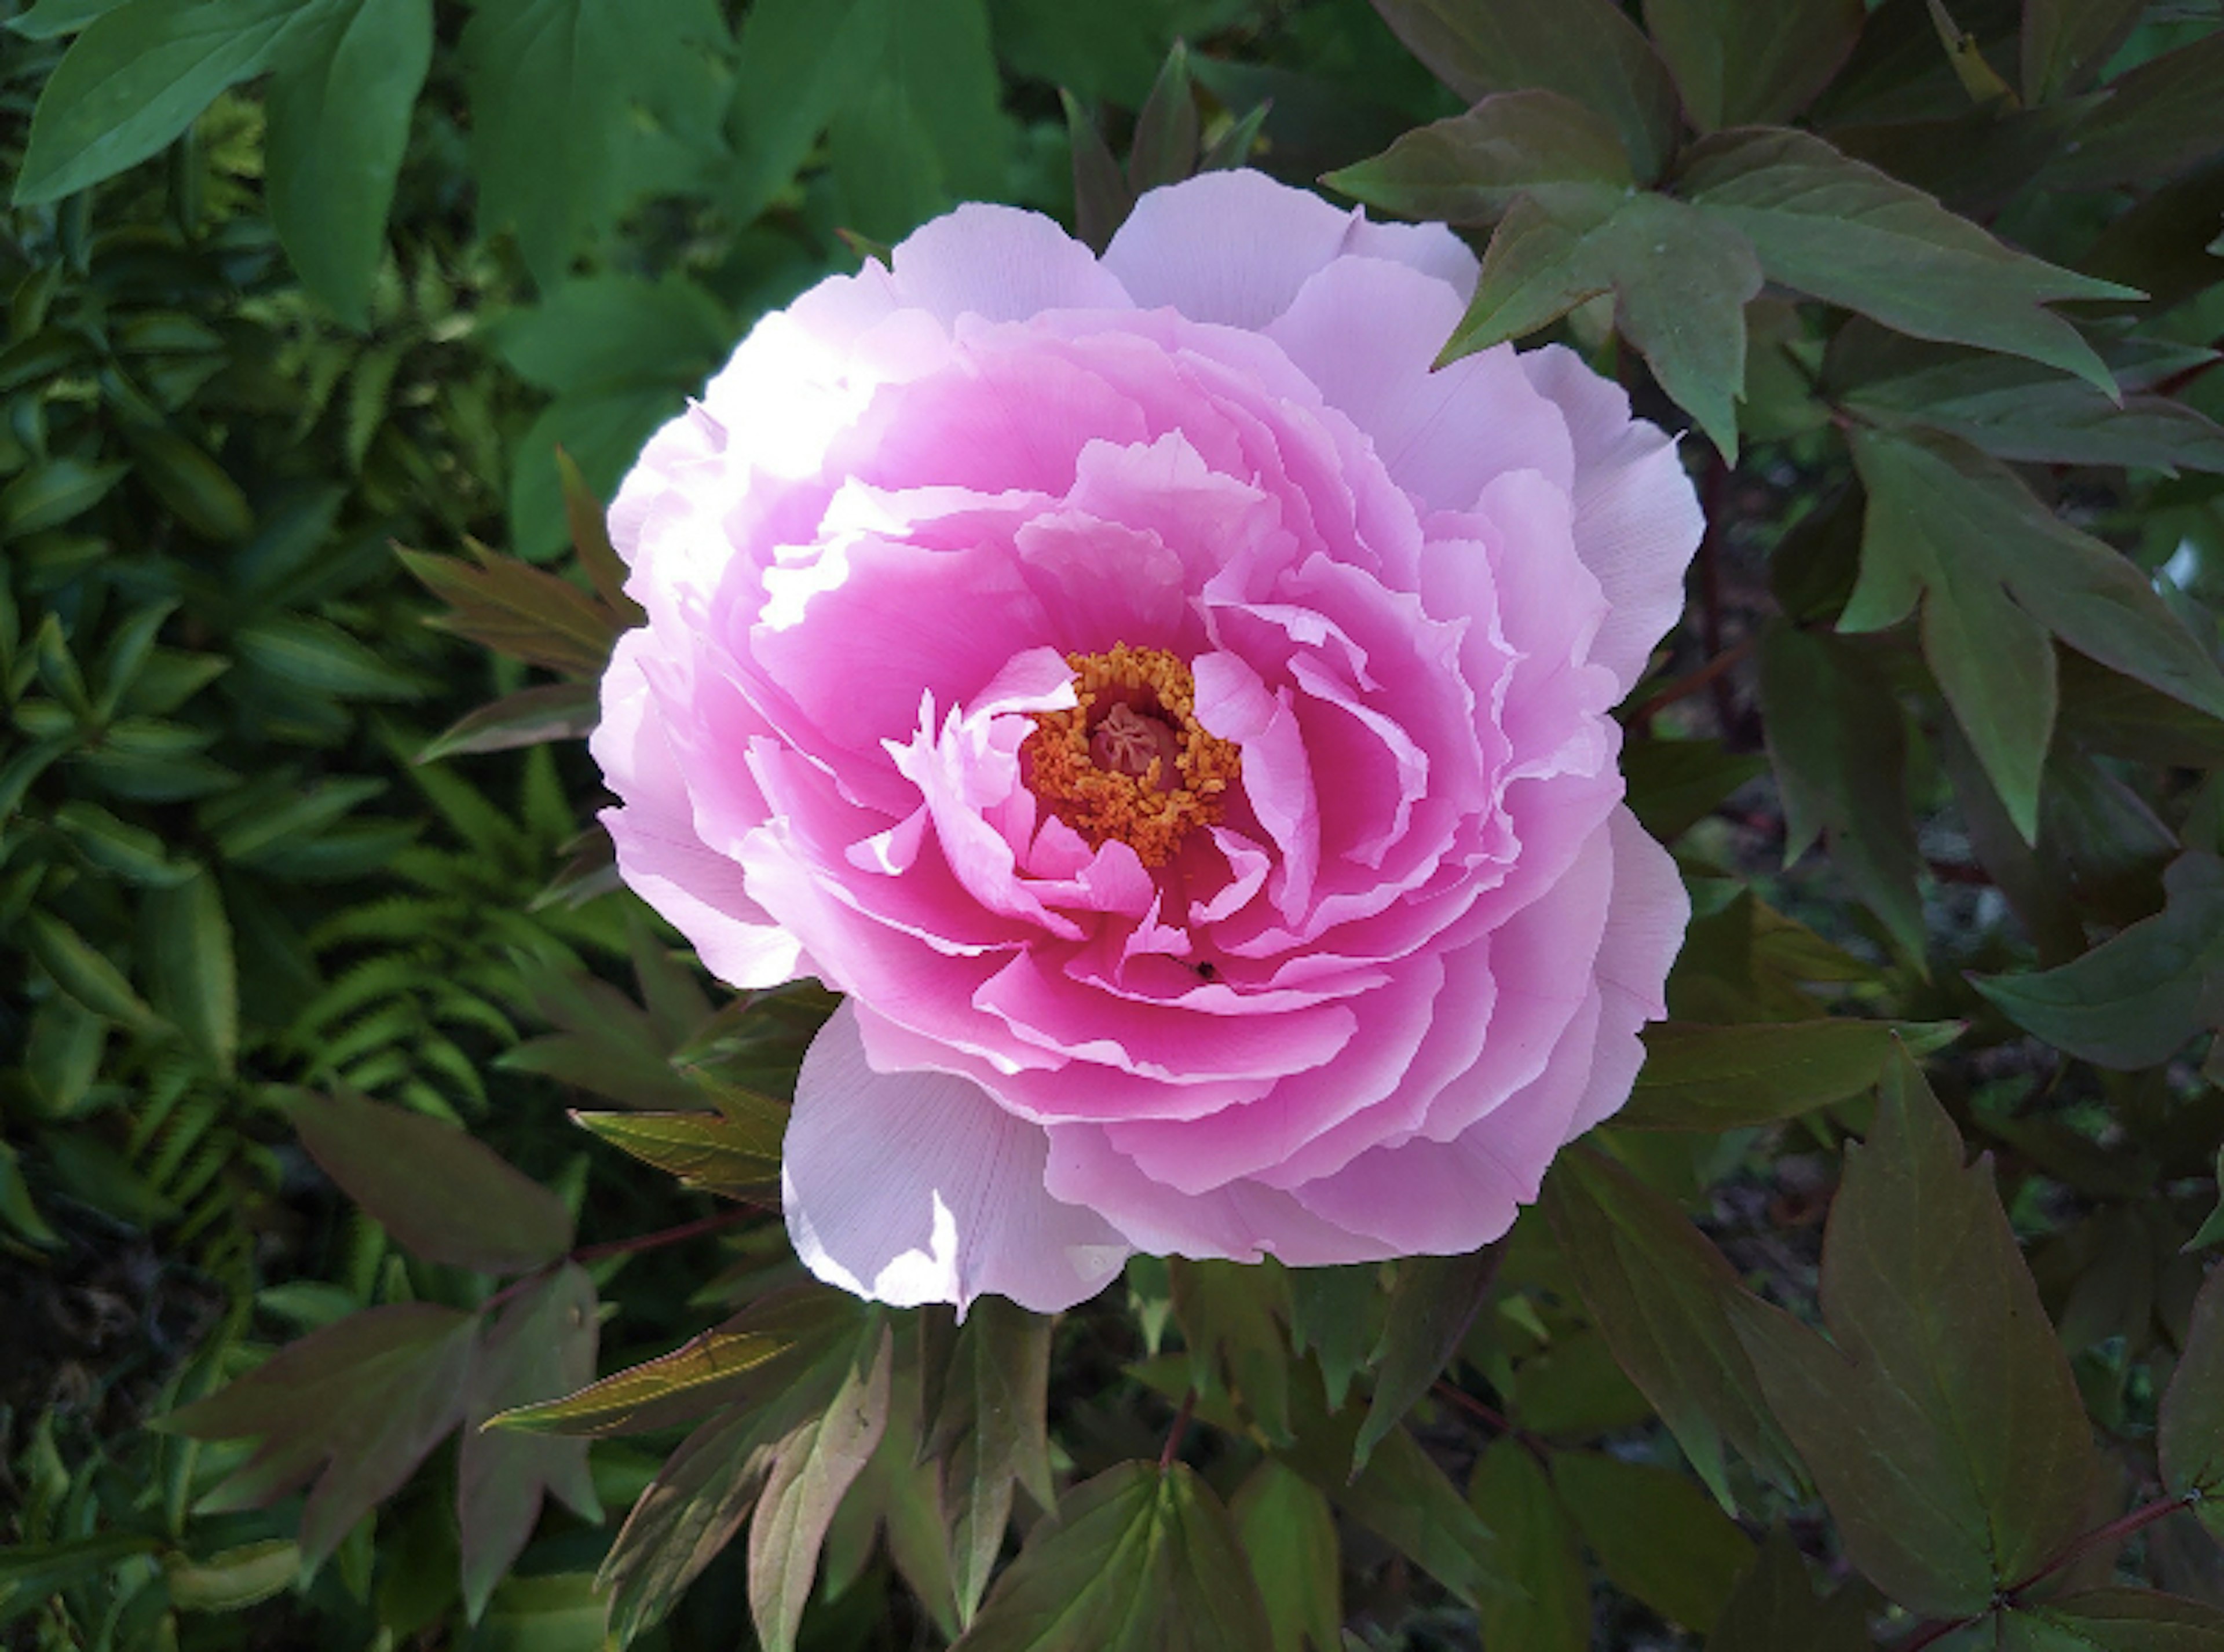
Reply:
x=812, y=1469
x=1657, y=1535
x=1836, y=230
x=128, y=851
x=1674, y=784
x=363, y=1401
x=797, y=61
x=52, y=19
x=17, y=1208
x=1231, y=1317
x=1680, y=280
x=1752, y=62
x=1471, y=168
x=2019, y=410
x=690, y=1511
x=191, y=483
x=1774, y=1607
x=751, y=1353
x=48, y=495
x=30, y=1573
x=735, y=1153
x=1289, y=1535
x=563, y=711
x=1941, y=1420
x=1660, y=1292
x=1334, y=1312
x=1995, y=571
x=191, y=976
x=2189, y=1435
x=2134, y=1000
x=135, y=79
x=444, y=1196
x=1431, y=1302
x=2157, y=120
x=1139, y=1558
x=314, y=654
x=1699, y=1078
x=542, y=1345
x=1539, y=1545
x=548, y=1611
x=1836, y=737
x=2066, y=42
x=339, y=109
x=988, y=1432
x=86, y=975
x=1404, y=1499
x=2114, y=1620
x=1584, y=50
x=234, y=1579
x=553, y=84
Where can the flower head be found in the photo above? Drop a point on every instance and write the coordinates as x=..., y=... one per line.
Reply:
x=1176, y=719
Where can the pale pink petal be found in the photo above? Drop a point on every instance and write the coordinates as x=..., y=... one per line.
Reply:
x=1644, y=932
x=914, y=1188
x=1231, y=247
x=1638, y=521
x=1368, y=332
x=1002, y=264
x=1430, y=248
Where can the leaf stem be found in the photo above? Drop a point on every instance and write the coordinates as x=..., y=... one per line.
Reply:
x=1693, y=680
x=655, y=1241
x=1929, y=1634
x=1174, y=1434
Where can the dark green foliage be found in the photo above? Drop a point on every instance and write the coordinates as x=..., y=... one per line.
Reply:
x=324, y=1324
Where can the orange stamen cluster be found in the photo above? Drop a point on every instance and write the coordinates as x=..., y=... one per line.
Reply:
x=1064, y=759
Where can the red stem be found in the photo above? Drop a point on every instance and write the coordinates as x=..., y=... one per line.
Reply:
x=1693, y=680
x=1174, y=1434
x=2138, y=1519
x=655, y=1241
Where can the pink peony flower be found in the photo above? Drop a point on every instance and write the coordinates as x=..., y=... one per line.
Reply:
x=1177, y=719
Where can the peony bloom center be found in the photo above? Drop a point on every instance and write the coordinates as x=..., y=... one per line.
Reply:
x=1128, y=759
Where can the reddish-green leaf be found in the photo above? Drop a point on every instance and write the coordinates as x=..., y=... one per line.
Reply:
x=2158, y=120
x=735, y=1152
x=1994, y=572
x=526, y=612
x=444, y=1196
x=752, y=1352
x=1658, y=1536
x=2114, y=1620
x=989, y=1431
x=1830, y=227
x=1471, y=167
x=1773, y=1609
x=2066, y=42
x=1680, y=279
x=1698, y=1078
x=1944, y=1427
x=1164, y=147
x=1289, y=1536
x=1139, y=1558
x=1660, y=1292
x=812, y=1470
x=563, y=711
x=1752, y=62
x=1587, y=50
x=2134, y=1000
x=1431, y=1301
x=358, y=1404
x=541, y=1345
x=1539, y=1548
x=2190, y=1435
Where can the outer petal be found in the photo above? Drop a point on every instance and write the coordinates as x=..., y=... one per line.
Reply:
x=1638, y=520
x=1000, y=263
x=1233, y=247
x=913, y=1187
x=1644, y=932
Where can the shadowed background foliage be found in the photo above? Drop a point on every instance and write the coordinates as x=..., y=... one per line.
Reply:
x=314, y=955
